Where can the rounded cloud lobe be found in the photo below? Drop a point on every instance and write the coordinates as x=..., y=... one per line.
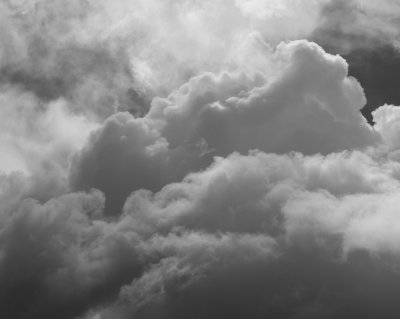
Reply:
x=199, y=178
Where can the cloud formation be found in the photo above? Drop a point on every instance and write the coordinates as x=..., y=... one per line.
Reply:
x=366, y=35
x=160, y=161
x=309, y=95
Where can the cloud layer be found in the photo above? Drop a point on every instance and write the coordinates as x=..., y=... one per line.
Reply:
x=159, y=161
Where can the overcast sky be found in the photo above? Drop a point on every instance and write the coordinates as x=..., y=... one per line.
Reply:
x=168, y=159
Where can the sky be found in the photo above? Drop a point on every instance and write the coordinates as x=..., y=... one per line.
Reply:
x=167, y=159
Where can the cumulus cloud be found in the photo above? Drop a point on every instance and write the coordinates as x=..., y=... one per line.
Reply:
x=246, y=217
x=314, y=227
x=307, y=104
x=195, y=158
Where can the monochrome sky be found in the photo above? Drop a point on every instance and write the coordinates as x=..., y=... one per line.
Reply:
x=167, y=159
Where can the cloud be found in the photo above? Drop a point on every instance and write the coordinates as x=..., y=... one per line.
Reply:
x=177, y=251
x=244, y=193
x=69, y=257
x=387, y=125
x=34, y=133
x=159, y=161
x=191, y=262
x=359, y=222
x=367, y=36
x=312, y=267
x=308, y=104
x=55, y=50
x=357, y=24
x=125, y=154
x=115, y=55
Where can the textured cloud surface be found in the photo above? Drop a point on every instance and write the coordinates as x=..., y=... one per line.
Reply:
x=198, y=159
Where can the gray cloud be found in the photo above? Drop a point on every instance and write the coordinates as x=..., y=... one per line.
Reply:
x=280, y=218
x=161, y=162
x=309, y=95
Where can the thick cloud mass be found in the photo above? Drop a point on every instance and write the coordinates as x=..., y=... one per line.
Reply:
x=196, y=159
x=308, y=93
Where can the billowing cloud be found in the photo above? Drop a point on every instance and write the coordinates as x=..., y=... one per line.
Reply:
x=321, y=226
x=307, y=104
x=197, y=159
